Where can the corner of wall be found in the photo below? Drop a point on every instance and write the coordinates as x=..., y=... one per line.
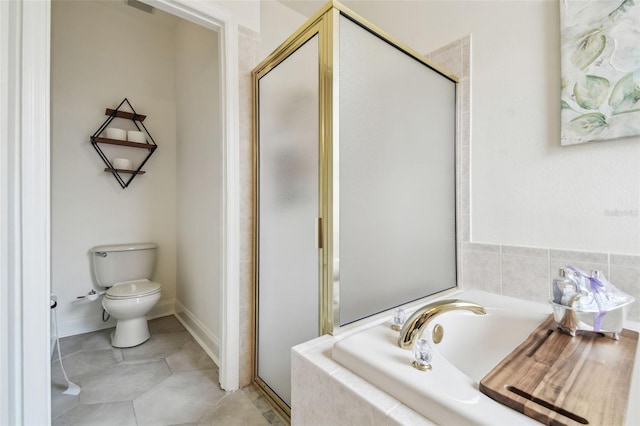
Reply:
x=205, y=338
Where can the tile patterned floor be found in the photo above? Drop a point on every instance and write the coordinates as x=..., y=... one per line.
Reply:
x=168, y=380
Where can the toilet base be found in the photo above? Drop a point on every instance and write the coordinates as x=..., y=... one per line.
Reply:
x=129, y=333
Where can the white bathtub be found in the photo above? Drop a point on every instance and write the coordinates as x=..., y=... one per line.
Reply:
x=363, y=377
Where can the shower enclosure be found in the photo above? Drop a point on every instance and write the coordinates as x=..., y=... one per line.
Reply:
x=354, y=148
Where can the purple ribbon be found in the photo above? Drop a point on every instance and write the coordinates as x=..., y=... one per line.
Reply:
x=596, y=287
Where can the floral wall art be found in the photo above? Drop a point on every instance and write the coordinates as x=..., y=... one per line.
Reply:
x=600, y=50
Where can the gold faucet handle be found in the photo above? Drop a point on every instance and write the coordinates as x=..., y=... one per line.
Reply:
x=418, y=321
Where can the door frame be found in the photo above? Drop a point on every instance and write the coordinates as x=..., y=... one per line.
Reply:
x=25, y=391
x=25, y=207
x=208, y=15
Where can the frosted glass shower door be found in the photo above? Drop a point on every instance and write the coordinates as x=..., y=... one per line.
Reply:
x=397, y=237
x=288, y=200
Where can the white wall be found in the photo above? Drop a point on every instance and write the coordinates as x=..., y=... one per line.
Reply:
x=526, y=189
x=199, y=175
x=246, y=12
x=277, y=23
x=101, y=53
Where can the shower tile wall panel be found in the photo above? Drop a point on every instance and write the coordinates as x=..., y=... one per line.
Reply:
x=515, y=283
x=456, y=58
x=247, y=60
x=481, y=268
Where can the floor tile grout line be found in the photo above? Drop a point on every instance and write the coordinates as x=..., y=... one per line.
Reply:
x=135, y=415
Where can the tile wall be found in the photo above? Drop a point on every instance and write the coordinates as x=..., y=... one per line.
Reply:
x=247, y=60
x=525, y=272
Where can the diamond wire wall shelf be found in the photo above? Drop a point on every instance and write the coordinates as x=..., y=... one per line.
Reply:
x=137, y=119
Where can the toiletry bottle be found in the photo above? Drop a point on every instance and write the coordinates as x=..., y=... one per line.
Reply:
x=562, y=286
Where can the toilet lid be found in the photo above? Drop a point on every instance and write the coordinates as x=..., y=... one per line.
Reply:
x=129, y=289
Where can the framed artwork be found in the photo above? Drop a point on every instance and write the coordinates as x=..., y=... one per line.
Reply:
x=600, y=57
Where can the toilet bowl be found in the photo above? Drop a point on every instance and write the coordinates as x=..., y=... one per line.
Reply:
x=125, y=271
x=129, y=302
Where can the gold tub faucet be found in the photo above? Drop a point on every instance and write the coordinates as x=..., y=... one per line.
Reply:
x=417, y=323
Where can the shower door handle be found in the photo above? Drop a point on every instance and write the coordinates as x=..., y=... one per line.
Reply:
x=318, y=231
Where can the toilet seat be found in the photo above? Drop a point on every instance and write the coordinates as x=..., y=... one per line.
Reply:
x=133, y=289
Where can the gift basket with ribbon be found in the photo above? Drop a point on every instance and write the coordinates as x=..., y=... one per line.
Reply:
x=588, y=302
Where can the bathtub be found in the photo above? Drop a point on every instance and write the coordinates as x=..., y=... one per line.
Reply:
x=363, y=377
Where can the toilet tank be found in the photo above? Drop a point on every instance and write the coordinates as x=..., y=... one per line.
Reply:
x=123, y=262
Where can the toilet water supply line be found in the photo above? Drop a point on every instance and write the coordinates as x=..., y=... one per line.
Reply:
x=72, y=388
x=93, y=296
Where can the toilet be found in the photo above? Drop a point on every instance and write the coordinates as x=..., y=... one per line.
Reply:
x=125, y=271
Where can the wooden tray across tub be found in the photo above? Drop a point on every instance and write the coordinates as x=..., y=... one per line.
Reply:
x=562, y=380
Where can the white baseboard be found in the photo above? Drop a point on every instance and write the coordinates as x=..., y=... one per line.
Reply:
x=205, y=338
x=80, y=325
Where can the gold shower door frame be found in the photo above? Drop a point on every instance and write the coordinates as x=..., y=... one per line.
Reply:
x=324, y=24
